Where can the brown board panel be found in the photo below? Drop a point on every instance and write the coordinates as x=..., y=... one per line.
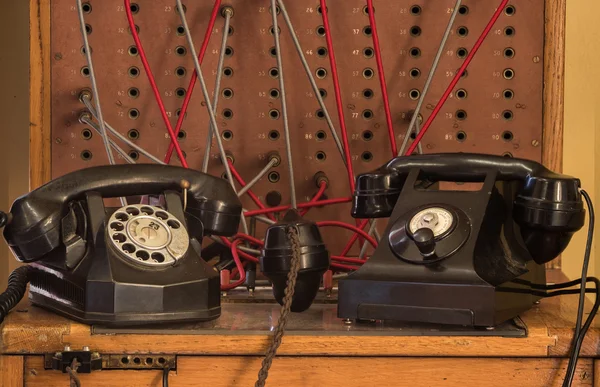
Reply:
x=485, y=128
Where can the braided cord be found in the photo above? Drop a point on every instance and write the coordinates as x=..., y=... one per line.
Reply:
x=292, y=234
x=72, y=371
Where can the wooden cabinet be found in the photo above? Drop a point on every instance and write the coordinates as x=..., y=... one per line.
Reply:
x=318, y=350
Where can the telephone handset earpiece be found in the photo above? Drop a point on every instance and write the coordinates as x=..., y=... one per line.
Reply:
x=35, y=228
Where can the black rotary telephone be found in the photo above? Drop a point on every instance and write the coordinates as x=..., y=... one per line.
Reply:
x=459, y=257
x=137, y=264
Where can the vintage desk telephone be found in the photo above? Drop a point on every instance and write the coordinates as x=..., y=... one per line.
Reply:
x=129, y=265
x=459, y=257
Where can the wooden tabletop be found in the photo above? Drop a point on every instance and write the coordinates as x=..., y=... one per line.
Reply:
x=32, y=330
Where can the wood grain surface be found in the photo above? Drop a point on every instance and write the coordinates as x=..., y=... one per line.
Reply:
x=39, y=331
x=550, y=325
x=32, y=330
x=554, y=90
x=40, y=143
x=332, y=371
x=11, y=371
x=554, y=84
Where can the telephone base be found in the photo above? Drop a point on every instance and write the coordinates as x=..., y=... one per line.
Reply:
x=472, y=305
x=123, y=319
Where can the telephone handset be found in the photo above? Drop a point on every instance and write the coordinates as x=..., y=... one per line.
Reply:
x=547, y=205
x=449, y=256
x=136, y=264
x=35, y=228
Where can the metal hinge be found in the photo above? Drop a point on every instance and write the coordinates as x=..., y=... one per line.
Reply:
x=87, y=360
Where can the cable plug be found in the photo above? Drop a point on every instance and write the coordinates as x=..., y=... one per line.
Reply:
x=321, y=178
x=274, y=156
x=230, y=158
x=85, y=94
x=227, y=10
x=85, y=117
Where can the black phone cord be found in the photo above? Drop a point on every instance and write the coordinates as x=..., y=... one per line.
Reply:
x=579, y=330
x=285, y=308
x=17, y=285
x=165, y=378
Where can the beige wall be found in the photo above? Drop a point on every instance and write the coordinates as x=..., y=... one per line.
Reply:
x=3, y=206
x=582, y=118
x=14, y=111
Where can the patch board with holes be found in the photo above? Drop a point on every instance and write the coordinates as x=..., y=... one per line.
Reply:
x=496, y=107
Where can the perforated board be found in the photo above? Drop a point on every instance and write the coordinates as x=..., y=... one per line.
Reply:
x=491, y=123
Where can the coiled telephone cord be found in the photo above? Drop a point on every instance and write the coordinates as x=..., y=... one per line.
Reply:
x=17, y=282
x=17, y=285
x=285, y=308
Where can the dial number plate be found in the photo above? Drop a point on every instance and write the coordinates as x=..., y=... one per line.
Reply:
x=147, y=235
x=437, y=219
